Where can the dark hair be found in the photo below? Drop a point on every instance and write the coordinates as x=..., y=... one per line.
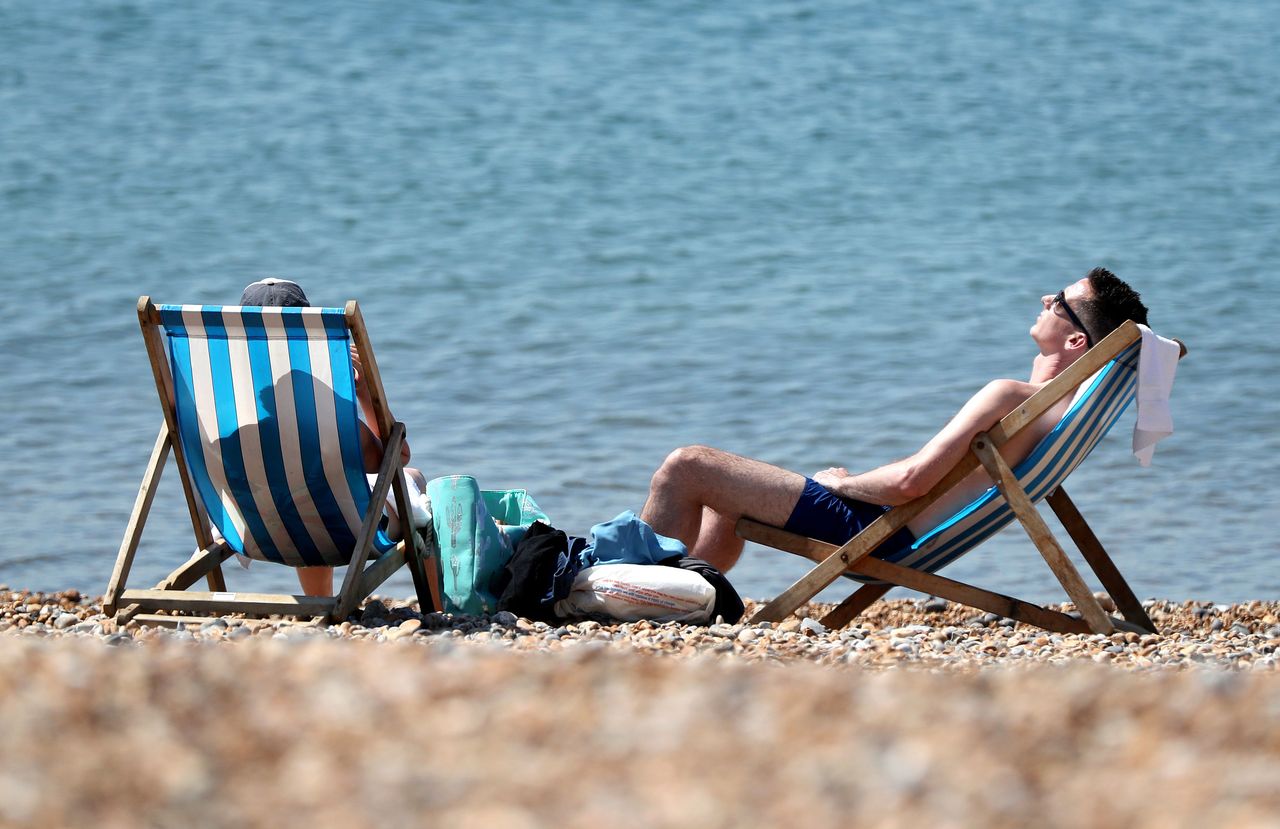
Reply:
x=1112, y=303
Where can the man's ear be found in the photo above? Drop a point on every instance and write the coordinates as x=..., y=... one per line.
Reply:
x=1077, y=340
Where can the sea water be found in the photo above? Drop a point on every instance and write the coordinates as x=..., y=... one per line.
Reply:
x=585, y=233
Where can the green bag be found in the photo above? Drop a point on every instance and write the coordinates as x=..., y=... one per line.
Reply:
x=476, y=531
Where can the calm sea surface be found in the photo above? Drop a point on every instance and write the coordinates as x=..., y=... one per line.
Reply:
x=585, y=233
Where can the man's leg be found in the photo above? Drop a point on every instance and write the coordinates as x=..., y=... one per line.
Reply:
x=699, y=493
x=718, y=541
x=316, y=581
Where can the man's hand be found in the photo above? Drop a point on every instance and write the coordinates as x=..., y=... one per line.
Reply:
x=905, y=480
x=831, y=477
x=355, y=361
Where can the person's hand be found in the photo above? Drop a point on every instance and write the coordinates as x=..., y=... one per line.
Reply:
x=355, y=362
x=831, y=477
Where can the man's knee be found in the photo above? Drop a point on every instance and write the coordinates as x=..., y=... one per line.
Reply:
x=682, y=465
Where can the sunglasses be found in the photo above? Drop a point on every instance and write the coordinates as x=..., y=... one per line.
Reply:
x=1061, y=299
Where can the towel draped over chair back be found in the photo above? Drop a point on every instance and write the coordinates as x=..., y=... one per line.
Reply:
x=1093, y=412
x=270, y=428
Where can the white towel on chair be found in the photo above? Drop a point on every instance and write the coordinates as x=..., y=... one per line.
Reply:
x=1157, y=364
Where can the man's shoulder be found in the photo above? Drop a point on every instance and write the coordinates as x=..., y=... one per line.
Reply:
x=1007, y=389
x=999, y=397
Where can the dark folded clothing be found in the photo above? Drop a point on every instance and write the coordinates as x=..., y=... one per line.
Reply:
x=540, y=573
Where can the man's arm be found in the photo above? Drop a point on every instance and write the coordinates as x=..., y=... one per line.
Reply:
x=370, y=435
x=905, y=480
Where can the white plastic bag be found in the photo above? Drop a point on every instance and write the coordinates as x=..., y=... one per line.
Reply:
x=631, y=592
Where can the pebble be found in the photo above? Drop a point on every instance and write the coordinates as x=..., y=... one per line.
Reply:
x=932, y=633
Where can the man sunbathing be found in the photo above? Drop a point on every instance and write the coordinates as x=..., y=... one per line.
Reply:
x=699, y=493
x=318, y=581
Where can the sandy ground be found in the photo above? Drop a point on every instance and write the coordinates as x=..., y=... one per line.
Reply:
x=498, y=723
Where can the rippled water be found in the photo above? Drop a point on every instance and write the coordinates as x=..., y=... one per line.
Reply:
x=586, y=233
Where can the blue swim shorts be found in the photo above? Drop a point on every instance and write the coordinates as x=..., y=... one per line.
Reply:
x=823, y=515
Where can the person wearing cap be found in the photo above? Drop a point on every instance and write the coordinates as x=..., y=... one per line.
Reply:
x=282, y=293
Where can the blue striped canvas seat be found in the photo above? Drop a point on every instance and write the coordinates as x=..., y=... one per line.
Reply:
x=1095, y=409
x=269, y=424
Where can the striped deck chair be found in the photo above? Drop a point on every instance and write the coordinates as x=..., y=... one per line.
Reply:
x=1105, y=381
x=263, y=404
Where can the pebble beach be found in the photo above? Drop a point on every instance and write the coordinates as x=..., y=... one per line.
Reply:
x=920, y=711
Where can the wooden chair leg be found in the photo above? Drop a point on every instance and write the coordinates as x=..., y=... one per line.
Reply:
x=383, y=568
x=895, y=575
x=828, y=570
x=198, y=566
x=1025, y=510
x=1094, y=553
x=428, y=571
x=137, y=520
x=414, y=553
x=852, y=607
x=417, y=569
x=192, y=570
x=347, y=597
x=149, y=319
x=970, y=596
x=216, y=581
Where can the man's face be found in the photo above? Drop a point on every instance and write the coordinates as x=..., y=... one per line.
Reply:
x=1054, y=324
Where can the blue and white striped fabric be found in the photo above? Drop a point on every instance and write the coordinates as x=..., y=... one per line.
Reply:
x=1094, y=411
x=270, y=427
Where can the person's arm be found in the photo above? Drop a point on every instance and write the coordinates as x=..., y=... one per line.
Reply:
x=905, y=480
x=370, y=434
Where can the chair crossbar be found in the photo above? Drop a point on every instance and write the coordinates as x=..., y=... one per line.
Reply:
x=263, y=604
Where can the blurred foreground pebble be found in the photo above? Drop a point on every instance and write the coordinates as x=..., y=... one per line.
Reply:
x=399, y=718
x=306, y=732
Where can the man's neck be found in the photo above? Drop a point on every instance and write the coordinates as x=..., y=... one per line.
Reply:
x=1045, y=367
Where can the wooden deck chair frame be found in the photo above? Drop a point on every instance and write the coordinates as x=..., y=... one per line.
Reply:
x=855, y=555
x=172, y=593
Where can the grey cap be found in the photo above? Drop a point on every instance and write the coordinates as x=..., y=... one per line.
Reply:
x=274, y=293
